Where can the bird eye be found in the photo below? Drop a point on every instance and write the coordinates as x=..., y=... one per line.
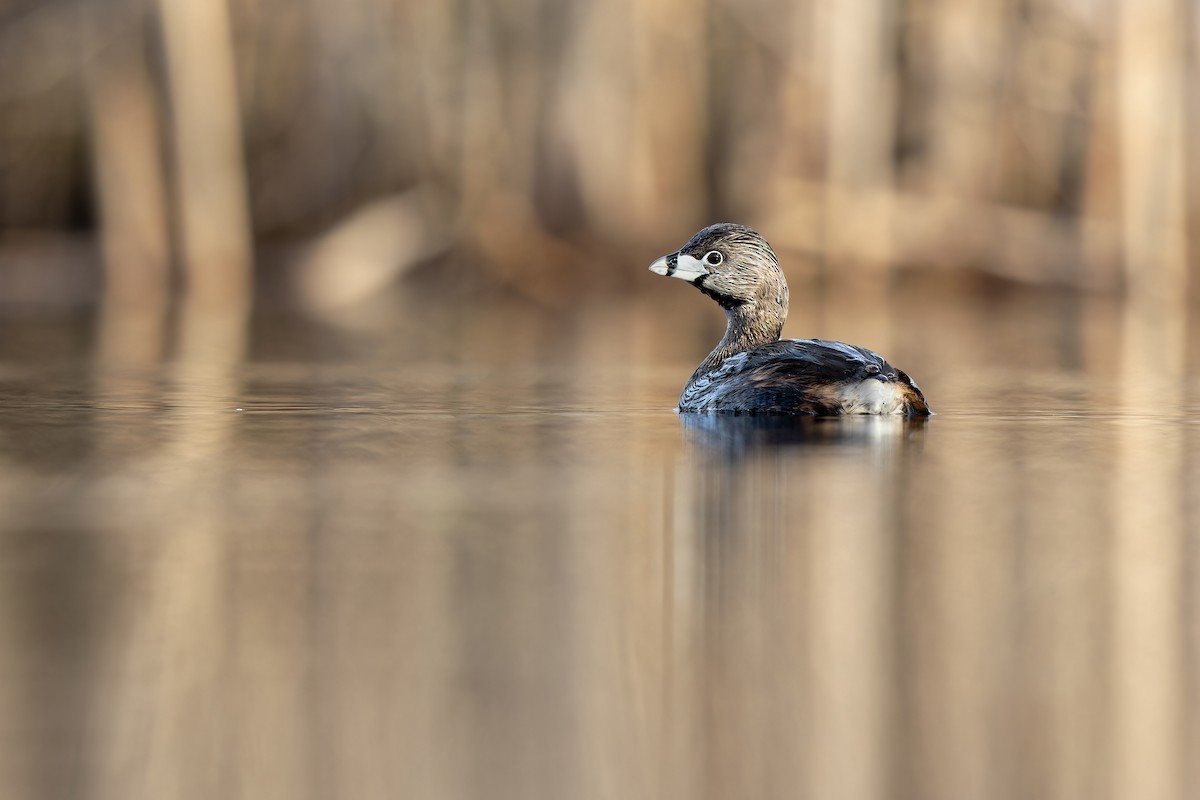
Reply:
x=714, y=257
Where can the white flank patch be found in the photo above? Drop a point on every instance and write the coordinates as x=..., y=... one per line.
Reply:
x=872, y=397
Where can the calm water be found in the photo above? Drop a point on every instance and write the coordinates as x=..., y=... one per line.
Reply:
x=481, y=558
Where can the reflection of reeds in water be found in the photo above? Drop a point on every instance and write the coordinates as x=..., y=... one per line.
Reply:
x=166, y=702
x=453, y=595
x=887, y=626
x=948, y=133
x=1150, y=540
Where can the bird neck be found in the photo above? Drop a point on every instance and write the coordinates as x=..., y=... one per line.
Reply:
x=748, y=325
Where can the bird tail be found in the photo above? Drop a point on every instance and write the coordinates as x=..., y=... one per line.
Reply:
x=915, y=405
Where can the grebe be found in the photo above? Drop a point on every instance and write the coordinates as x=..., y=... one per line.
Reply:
x=752, y=371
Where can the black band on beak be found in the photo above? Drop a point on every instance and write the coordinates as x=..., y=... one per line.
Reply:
x=672, y=264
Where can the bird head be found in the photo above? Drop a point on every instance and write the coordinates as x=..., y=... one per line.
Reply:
x=730, y=263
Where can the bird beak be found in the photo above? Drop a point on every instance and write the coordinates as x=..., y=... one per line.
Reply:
x=680, y=265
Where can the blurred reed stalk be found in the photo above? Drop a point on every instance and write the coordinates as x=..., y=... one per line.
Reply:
x=126, y=135
x=210, y=180
x=1153, y=63
x=1044, y=142
x=140, y=178
x=861, y=165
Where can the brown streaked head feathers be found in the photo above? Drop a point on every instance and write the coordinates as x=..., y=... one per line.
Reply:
x=748, y=271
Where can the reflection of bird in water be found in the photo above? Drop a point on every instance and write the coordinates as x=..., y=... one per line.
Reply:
x=737, y=434
x=752, y=371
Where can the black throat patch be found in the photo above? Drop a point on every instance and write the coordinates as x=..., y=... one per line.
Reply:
x=723, y=300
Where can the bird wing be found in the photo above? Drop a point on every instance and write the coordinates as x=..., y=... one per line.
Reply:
x=820, y=360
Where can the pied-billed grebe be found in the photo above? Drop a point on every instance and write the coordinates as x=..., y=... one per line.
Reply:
x=752, y=371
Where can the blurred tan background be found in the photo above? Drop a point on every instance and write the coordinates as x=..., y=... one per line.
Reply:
x=461, y=554
x=553, y=147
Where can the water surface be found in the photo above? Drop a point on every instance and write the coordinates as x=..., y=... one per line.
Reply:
x=488, y=560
